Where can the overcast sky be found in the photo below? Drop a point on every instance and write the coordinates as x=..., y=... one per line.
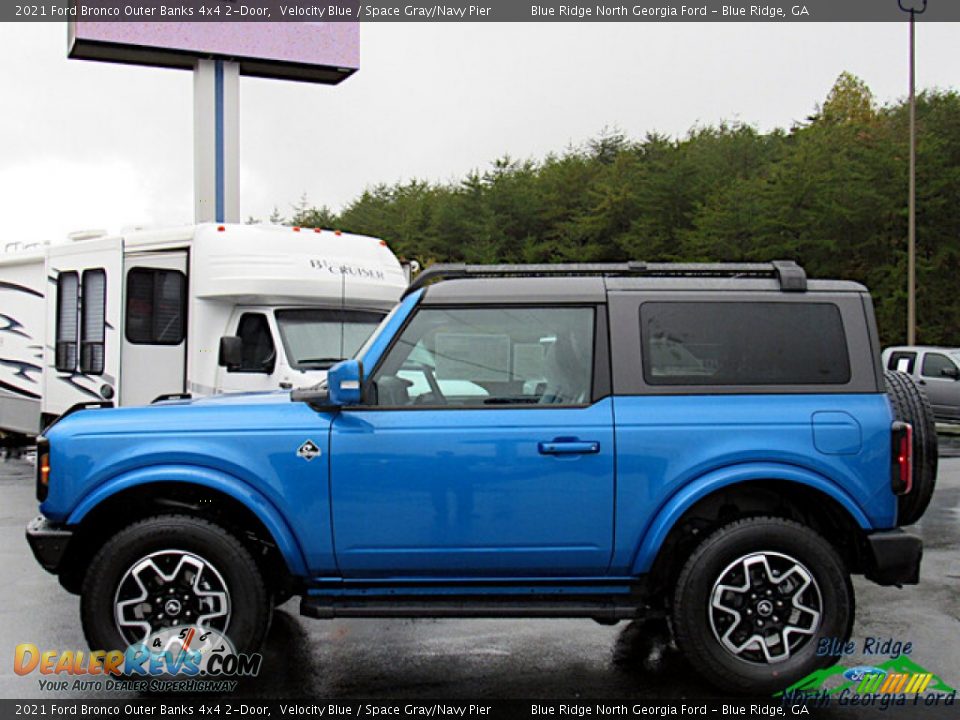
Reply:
x=92, y=145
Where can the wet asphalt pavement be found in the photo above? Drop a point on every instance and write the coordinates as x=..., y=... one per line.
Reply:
x=481, y=659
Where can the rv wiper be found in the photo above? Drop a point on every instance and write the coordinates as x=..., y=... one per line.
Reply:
x=321, y=363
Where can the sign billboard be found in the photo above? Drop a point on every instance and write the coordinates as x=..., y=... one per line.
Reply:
x=318, y=52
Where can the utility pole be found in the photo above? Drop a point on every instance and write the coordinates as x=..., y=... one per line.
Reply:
x=912, y=203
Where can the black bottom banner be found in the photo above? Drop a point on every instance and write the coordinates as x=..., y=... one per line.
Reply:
x=200, y=707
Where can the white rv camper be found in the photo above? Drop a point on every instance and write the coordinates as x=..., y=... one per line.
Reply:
x=22, y=283
x=131, y=317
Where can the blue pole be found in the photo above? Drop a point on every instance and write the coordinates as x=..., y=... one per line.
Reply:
x=220, y=178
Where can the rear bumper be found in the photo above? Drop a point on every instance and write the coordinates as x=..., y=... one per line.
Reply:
x=48, y=542
x=893, y=557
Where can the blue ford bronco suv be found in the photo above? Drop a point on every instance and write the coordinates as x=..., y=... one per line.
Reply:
x=713, y=445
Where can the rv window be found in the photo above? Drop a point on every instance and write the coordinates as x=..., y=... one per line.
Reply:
x=93, y=319
x=258, y=354
x=68, y=296
x=156, y=306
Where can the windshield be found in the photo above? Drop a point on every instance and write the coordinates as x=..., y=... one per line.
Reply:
x=316, y=339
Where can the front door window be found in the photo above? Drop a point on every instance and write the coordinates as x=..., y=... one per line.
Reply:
x=936, y=365
x=481, y=357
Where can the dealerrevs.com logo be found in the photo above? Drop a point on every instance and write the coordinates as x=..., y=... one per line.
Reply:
x=187, y=658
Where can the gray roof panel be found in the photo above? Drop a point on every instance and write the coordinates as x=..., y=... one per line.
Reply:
x=519, y=290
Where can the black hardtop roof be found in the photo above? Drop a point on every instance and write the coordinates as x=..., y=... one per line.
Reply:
x=590, y=282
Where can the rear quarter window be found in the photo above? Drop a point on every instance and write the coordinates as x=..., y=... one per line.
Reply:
x=743, y=344
x=902, y=361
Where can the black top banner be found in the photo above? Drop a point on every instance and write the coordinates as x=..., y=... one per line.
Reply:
x=481, y=11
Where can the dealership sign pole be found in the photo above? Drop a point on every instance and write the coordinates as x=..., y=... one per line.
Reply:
x=216, y=141
x=218, y=53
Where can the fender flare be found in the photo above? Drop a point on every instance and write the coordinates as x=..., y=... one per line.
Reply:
x=681, y=501
x=222, y=482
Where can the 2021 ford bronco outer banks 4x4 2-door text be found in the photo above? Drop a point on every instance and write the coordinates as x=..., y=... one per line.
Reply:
x=716, y=445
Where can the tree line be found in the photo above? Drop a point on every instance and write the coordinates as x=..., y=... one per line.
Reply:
x=829, y=192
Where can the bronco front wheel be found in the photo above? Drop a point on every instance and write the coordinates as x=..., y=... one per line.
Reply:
x=171, y=571
x=753, y=601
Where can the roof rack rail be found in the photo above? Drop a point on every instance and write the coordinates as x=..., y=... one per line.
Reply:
x=792, y=277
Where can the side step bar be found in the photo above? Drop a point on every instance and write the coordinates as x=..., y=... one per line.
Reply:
x=334, y=607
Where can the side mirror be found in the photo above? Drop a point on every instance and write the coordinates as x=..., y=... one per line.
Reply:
x=231, y=352
x=345, y=382
x=950, y=372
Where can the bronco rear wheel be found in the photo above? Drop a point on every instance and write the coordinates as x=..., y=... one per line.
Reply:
x=753, y=600
x=173, y=571
x=910, y=404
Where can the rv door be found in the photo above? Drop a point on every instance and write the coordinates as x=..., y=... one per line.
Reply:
x=154, y=354
x=82, y=348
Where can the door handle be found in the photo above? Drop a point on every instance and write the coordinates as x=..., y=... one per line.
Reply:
x=569, y=447
x=286, y=385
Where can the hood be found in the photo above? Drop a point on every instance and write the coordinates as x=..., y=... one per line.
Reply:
x=244, y=437
x=271, y=397
x=235, y=411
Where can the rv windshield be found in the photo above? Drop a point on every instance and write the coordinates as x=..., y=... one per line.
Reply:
x=316, y=339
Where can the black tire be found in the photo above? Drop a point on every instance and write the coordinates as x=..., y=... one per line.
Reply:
x=910, y=404
x=699, y=628
x=248, y=600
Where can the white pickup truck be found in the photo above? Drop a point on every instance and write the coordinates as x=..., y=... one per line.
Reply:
x=937, y=370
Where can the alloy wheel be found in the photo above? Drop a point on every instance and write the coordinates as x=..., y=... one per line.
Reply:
x=167, y=589
x=764, y=607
